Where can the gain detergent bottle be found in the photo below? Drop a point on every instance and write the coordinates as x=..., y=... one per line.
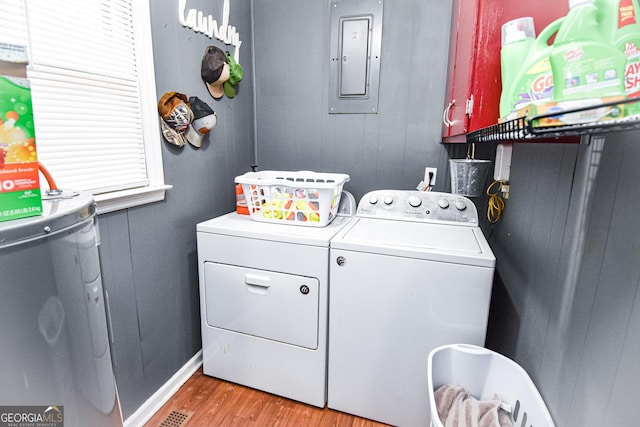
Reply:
x=526, y=70
x=620, y=26
x=584, y=64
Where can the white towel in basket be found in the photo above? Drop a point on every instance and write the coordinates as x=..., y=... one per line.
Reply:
x=457, y=408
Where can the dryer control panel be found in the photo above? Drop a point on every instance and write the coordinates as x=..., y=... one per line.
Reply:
x=422, y=206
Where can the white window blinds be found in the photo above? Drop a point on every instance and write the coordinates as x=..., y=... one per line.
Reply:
x=84, y=81
x=13, y=31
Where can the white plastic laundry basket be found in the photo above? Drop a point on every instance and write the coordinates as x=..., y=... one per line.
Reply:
x=295, y=198
x=484, y=373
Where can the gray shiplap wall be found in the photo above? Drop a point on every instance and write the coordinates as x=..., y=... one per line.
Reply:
x=385, y=150
x=149, y=252
x=566, y=305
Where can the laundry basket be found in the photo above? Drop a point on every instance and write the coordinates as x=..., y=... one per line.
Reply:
x=485, y=373
x=296, y=198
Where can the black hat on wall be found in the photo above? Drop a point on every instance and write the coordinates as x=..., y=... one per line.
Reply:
x=214, y=70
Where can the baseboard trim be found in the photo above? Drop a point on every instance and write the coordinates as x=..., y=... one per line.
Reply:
x=164, y=393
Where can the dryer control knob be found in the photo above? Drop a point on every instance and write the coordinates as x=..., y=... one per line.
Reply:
x=461, y=205
x=373, y=200
x=414, y=201
x=388, y=200
x=341, y=261
x=443, y=203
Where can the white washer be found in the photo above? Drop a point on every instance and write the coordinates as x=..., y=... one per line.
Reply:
x=411, y=272
x=263, y=301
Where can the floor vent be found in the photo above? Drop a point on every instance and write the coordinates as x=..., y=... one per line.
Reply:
x=174, y=419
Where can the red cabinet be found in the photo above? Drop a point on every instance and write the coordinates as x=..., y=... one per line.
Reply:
x=473, y=88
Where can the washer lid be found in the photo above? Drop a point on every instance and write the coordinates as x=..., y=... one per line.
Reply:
x=438, y=242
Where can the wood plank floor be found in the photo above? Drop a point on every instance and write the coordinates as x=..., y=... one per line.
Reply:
x=207, y=401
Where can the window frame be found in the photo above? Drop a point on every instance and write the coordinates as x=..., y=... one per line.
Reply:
x=155, y=190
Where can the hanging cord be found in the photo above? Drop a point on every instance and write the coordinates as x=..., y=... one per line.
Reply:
x=495, y=204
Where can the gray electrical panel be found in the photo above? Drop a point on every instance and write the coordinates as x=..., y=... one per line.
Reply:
x=356, y=35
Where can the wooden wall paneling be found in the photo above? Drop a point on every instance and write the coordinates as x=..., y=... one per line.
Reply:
x=396, y=70
x=528, y=243
x=385, y=150
x=575, y=336
x=426, y=83
x=509, y=240
x=150, y=251
x=118, y=282
x=561, y=262
x=618, y=411
x=162, y=290
x=289, y=62
x=350, y=146
x=546, y=216
x=576, y=288
x=616, y=285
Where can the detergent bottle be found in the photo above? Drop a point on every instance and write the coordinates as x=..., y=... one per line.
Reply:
x=620, y=26
x=241, y=202
x=518, y=37
x=584, y=64
x=533, y=79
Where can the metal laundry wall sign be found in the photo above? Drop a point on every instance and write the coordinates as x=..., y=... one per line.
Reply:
x=207, y=25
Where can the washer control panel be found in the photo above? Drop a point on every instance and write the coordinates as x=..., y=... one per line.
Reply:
x=426, y=206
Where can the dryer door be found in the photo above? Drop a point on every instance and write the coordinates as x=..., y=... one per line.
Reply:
x=275, y=306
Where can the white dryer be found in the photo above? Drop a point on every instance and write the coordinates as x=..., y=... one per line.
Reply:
x=411, y=272
x=263, y=300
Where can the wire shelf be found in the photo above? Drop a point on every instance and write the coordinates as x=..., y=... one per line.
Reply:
x=522, y=129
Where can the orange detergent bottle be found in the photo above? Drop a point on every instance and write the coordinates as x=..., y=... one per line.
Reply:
x=241, y=201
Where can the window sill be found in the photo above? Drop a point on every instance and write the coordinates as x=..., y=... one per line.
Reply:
x=115, y=201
